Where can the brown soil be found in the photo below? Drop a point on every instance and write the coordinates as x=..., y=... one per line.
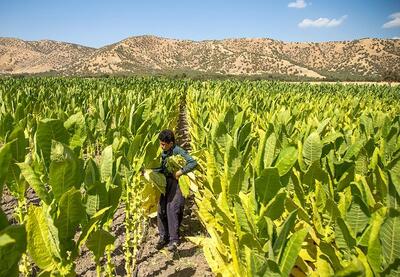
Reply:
x=189, y=259
x=8, y=204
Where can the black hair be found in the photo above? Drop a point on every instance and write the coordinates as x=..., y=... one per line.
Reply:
x=166, y=136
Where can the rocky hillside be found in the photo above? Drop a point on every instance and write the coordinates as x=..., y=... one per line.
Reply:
x=359, y=59
x=30, y=57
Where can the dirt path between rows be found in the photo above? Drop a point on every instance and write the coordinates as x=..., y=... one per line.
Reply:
x=189, y=260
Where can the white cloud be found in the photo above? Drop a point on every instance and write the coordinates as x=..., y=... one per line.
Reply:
x=299, y=4
x=395, y=37
x=321, y=22
x=395, y=22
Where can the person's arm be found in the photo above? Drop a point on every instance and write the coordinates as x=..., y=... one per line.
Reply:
x=190, y=162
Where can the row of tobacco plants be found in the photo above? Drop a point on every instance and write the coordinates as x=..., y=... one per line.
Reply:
x=297, y=179
x=80, y=144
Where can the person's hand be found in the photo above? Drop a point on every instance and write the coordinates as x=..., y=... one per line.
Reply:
x=178, y=174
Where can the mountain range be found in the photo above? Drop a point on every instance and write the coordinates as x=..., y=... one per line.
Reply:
x=362, y=59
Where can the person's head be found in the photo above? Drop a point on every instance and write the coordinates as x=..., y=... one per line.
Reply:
x=167, y=139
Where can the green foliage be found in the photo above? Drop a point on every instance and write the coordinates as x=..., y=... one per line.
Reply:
x=97, y=243
x=292, y=178
x=319, y=194
x=42, y=237
x=12, y=246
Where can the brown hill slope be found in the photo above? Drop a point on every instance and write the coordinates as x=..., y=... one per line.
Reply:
x=365, y=58
x=29, y=57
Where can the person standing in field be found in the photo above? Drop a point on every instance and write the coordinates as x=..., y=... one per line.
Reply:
x=171, y=205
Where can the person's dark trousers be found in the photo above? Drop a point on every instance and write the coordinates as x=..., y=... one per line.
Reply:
x=170, y=211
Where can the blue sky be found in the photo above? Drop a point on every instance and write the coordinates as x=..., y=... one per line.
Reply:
x=98, y=23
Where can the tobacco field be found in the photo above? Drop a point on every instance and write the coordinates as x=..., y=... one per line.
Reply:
x=292, y=179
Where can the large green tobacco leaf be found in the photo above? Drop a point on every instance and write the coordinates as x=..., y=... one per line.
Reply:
x=270, y=149
x=390, y=239
x=184, y=185
x=76, y=126
x=70, y=214
x=361, y=163
x=390, y=145
x=233, y=169
x=135, y=117
x=6, y=124
x=286, y=159
x=218, y=132
x=366, y=124
x=156, y=179
x=5, y=159
x=34, y=181
x=267, y=185
x=48, y=130
x=241, y=221
x=98, y=241
x=243, y=135
x=322, y=125
x=135, y=147
x=236, y=182
x=150, y=158
x=259, y=158
x=232, y=163
x=234, y=252
x=314, y=173
x=374, y=254
x=11, y=252
x=276, y=206
x=106, y=164
x=357, y=216
x=96, y=198
x=344, y=238
x=212, y=173
x=114, y=192
x=42, y=237
x=394, y=200
x=354, y=149
x=64, y=170
x=18, y=148
x=92, y=174
x=249, y=206
x=280, y=242
x=312, y=148
x=291, y=251
x=91, y=225
x=298, y=187
x=229, y=119
x=395, y=174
